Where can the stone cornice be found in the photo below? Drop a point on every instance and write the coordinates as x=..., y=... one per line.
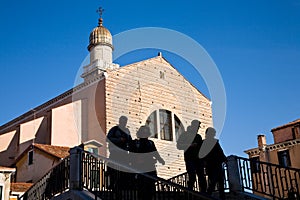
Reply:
x=274, y=147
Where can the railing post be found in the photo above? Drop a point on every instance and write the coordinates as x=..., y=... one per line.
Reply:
x=75, y=168
x=234, y=178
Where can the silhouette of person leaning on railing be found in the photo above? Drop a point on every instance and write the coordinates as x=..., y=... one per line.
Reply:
x=214, y=157
x=190, y=141
x=119, y=140
x=144, y=157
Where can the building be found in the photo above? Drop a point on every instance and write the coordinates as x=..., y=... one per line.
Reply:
x=286, y=148
x=5, y=180
x=275, y=168
x=37, y=159
x=150, y=92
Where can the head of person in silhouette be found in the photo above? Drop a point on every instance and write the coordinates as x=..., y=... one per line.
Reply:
x=210, y=133
x=195, y=125
x=143, y=132
x=123, y=122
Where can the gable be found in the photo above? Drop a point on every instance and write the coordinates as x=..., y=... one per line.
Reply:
x=140, y=88
x=160, y=66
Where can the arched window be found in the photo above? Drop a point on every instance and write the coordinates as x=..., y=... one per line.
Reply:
x=164, y=125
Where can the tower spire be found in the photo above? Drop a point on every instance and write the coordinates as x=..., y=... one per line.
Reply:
x=100, y=48
x=100, y=11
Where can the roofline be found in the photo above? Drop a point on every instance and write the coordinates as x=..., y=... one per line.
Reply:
x=161, y=56
x=36, y=109
x=287, y=125
x=41, y=107
x=273, y=147
x=186, y=79
x=68, y=93
x=32, y=146
x=47, y=151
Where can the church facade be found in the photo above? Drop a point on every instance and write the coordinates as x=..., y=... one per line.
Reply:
x=150, y=92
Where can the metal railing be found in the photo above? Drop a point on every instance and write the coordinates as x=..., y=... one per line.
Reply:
x=95, y=175
x=113, y=183
x=268, y=179
x=182, y=179
x=54, y=182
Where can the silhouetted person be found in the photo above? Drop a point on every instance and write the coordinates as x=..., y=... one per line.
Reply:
x=144, y=160
x=119, y=139
x=214, y=158
x=190, y=141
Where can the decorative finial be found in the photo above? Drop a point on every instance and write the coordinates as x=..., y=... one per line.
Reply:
x=100, y=11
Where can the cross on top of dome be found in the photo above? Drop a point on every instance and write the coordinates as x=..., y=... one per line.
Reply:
x=100, y=10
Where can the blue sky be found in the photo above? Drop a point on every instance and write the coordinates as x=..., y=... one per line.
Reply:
x=254, y=43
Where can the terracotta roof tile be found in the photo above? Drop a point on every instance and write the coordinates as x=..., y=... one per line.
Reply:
x=57, y=151
x=20, y=187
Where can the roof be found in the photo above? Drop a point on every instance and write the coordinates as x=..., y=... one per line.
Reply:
x=297, y=121
x=7, y=169
x=20, y=187
x=56, y=151
x=93, y=142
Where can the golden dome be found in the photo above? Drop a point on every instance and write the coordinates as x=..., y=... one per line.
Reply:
x=100, y=35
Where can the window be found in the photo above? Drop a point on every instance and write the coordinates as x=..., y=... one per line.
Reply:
x=30, y=157
x=93, y=150
x=151, y=122
x=293, y=133
x=164, y=125
x=178, y=127
x=254, y=164
x=284, y=158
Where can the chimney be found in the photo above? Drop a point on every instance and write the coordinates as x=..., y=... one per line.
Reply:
x=262, y=142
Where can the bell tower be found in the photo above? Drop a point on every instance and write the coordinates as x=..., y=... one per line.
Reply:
x=100, y=48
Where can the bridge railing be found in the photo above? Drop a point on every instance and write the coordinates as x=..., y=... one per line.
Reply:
x=85, y=171
x=54, y=182
x=268, y=179
x=114, y=183
x=182, y=179
x=251, y=176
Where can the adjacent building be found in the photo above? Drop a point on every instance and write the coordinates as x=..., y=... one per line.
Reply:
x=37, y=159
x=5, y=180
x=275, y=168
x=286, y=148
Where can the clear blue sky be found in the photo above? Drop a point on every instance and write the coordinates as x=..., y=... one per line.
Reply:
x=254, y=43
